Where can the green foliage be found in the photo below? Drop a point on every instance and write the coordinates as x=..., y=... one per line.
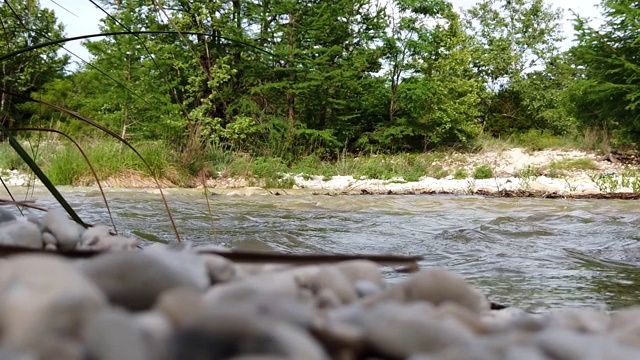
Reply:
x=460, y=174
x=483, y=172
x=310, y=81
x=606, y=93
x=23, y=24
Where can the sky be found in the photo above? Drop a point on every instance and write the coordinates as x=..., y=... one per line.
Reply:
x=83, y=17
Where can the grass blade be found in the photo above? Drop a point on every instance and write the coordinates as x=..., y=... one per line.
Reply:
x=110, y=133
x=95, y=175
x=40, y=175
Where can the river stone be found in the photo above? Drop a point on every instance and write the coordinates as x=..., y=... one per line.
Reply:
x=436, y=287
x=181, y=305
x=49, y=239
x=580, y=320
x=21, y=233
x=134, y=279
x=112, y=335
x=294, y=283
x=6, y=216
x=366, y=288
x=67, y=232
x=331, y=278
x=156, y=332
x=184, y=261
x=625, y=326
x=226, y=332
x=42, y=296
x=400, y=330
x=564, y=344
x=219, y=268
x=361, y=270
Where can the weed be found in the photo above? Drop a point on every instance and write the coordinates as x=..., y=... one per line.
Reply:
x=306, y=177
x=470, y=186
x=483, y=172
x=570, y=185
x=284, y=183
x=460, y=174
x=574, y=164
x=327, y=178
x=438, y=172
x=606, y=183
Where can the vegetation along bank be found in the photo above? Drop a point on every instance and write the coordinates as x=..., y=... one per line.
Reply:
x=340, y=95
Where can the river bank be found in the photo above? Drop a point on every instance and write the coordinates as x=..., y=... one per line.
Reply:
x=509, y=172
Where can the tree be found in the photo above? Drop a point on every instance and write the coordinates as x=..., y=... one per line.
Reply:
x=518, y=58
x=606, y=93
x=23, y=24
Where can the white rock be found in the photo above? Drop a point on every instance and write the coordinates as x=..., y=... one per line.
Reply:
x=21, y=233
x=41, y=296
x=67, y=232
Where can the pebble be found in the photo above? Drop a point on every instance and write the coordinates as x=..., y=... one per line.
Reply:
x=171, y=302
x=20, y=233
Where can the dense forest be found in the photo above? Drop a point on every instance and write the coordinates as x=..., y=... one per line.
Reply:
x=290, y=78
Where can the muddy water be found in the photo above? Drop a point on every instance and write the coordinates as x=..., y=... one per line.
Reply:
x=536, y=254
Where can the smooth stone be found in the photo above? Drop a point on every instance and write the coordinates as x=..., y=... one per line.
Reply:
x=111, y=243
x=6, y=216
x=67, y=232
x=436, y=287
x=294, y=283
x=464, y=316
x=366, y=288
x=219, y=268
x=327, y=299
x=185, y=261
x=331, y=278
x=580, y=320
x=472, y=351
x=135, y=279
x=49, y=239
x=512, y=317
x=399, y=330
x=564, y=344
x=100, y=238
x=625, y=326
x=92, y=235
x=20, y=233
x=269, y=306
x=229, y=332
x=361, y=270
x=112, y=335
x=156, y=332
x=51, y=247
x=524, y=353
x=181, y=305
x=44, y=295
x=36, y=220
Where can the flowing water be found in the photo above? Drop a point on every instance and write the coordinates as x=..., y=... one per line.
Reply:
x=536, y=254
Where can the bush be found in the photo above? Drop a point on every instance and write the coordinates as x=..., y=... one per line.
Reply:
x=483, y=172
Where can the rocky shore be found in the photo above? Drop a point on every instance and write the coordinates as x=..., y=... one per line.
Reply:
x=178, y=302
x=515, y=173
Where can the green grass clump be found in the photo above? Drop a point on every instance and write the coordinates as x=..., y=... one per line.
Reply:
x=460, y=174
x=483, y=172
x=438, y=172
x=536, y=140
x=574, y=164
x=283, y=183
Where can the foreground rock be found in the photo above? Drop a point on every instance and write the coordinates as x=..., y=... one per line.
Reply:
x=171, y=302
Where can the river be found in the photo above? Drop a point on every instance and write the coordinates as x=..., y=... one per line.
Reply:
x=536, y=254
